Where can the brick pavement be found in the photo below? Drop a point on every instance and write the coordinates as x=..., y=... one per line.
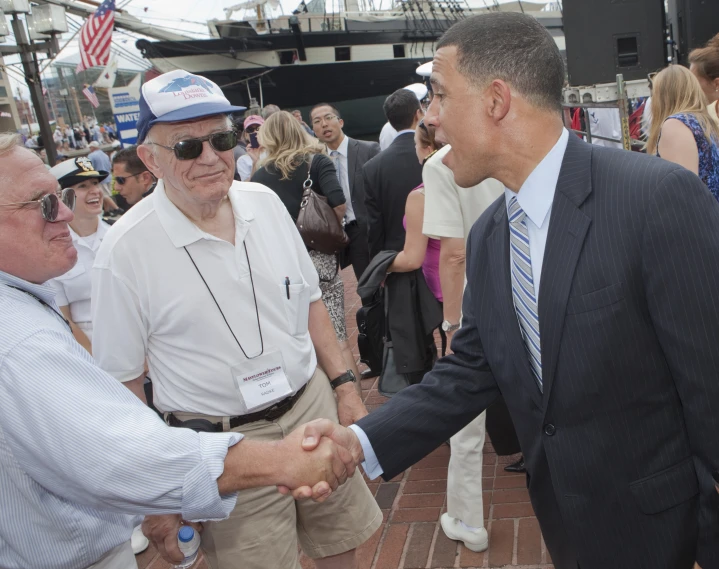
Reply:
x=411, y=537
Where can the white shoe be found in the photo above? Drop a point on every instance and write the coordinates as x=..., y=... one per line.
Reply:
x=138, y=541
x=476, y=540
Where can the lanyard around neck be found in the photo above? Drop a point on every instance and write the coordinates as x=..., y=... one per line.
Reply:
x=45, y=304
x=254, y=294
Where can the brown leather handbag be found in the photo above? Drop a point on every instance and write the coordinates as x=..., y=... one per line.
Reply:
x=317, y=222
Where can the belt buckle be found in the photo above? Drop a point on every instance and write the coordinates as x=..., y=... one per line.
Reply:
x=277, y=410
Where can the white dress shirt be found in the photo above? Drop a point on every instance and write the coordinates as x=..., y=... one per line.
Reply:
x=342, y=165
x=535, y=197
x=386, y=136
x=81, y=456
x=149, y=301
x=74, y=288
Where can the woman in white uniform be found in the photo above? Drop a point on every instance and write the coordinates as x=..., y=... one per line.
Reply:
x=73, y=289
x=87, y=230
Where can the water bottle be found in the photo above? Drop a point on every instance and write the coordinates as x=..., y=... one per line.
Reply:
x=189, y=542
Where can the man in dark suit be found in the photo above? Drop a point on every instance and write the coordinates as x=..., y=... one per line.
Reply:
x=592, y=306
x=392, y=175
x=349, y=155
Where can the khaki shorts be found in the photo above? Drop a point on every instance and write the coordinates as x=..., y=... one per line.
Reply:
x=265, y=527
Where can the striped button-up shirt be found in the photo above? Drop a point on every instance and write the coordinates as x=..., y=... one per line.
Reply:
x=80, y=456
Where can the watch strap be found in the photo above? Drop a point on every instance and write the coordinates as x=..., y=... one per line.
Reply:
x=346, y=377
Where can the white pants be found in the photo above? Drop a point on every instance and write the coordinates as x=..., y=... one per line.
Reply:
x=464, y=479
x=121, y=557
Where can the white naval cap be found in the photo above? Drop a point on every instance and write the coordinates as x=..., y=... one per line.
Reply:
x=425, y=70
x=419, y=89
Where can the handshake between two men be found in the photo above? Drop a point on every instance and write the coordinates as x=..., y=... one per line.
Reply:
x=309, y=463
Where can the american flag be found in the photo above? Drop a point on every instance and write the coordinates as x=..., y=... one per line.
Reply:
x=89, y=92
x=96, y=36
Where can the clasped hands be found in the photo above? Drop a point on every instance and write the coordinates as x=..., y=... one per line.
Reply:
x=322, y=455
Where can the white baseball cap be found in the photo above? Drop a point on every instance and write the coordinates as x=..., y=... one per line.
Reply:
x=179, y=96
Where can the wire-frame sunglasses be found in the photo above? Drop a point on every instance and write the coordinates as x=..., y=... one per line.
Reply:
x=50, y=204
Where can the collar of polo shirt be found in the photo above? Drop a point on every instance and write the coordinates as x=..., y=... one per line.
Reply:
x=183, y=232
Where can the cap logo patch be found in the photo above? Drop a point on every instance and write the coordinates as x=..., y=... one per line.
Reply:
x=189, y=86
x=84, y=164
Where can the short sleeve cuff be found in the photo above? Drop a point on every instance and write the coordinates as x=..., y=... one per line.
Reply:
x=438, y=230
x=201, y=499
x=370, y=465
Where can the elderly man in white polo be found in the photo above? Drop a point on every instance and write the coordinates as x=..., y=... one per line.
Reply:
x=209, y=281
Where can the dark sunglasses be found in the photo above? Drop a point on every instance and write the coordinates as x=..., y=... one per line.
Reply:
x=423, y=126
x=50, y=204
x=192, y=147
x=123, y=179
x=251, y=129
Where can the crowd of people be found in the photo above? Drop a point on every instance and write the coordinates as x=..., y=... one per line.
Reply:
x=189, y=363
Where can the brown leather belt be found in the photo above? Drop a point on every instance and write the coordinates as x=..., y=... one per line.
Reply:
x=270, y=414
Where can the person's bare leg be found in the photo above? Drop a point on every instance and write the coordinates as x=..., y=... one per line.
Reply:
x=347, y=560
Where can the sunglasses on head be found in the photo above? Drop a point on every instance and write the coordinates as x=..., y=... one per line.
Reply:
x=50, y=204
x=123, y=179
x=192, y=147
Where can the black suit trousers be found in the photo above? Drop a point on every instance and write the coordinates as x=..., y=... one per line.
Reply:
x=357, y=252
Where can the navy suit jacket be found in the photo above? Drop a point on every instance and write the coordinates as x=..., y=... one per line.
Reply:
x=620, y=445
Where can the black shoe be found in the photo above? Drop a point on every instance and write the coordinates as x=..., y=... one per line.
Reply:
x=368, y=374
x=516, y=466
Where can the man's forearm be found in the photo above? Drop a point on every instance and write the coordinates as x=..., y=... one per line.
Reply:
x=249, y=464
x=451, y=277
x=322, y=332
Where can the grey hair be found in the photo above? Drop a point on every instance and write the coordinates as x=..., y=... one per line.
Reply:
x=512, y=47
x=8, y=141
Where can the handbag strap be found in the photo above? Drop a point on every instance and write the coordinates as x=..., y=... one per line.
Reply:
x=307, y=185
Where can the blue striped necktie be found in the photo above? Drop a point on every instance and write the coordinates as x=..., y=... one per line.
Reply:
x=335, y=154
x=525, y=299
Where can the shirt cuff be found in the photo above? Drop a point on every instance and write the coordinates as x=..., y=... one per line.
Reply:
x=370, y=465
x=201, y=498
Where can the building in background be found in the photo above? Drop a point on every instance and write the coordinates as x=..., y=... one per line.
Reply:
x=9, y=117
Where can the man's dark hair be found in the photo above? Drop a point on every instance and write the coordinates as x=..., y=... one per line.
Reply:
x=128, y=156
x=400, y=108
x=335, y=110
x=513, y=47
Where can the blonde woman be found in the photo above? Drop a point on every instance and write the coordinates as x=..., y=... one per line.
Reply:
x=704, y=63
x=682, y=130
x=291, y=155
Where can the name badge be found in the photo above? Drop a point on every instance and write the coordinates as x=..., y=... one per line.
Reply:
x=261, y=381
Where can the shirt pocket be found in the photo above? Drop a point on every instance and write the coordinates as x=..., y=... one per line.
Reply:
x=296, y=299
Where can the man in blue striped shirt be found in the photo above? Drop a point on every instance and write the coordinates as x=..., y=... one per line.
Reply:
x=80, y=456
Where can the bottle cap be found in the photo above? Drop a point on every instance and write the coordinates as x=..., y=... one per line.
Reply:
x=186, y=534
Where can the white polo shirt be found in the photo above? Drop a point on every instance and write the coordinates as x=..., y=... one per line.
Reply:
x=74, y=288
x=150, y=301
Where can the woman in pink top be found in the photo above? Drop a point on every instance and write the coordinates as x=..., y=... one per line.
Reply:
x=419, y=250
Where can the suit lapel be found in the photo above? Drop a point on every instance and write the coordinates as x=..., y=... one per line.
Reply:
x=568, y=227
x=498, y=249
x=352, y=151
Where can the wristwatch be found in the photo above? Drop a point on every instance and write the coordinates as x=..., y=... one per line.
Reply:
x=346, y=377
x=447, y=327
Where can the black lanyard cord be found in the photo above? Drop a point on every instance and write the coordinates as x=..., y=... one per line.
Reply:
x=45, y=304
x=254, y=294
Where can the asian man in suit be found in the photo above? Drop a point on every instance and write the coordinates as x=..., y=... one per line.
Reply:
x=592, y=306
x=392, y=174
x=349, y=156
